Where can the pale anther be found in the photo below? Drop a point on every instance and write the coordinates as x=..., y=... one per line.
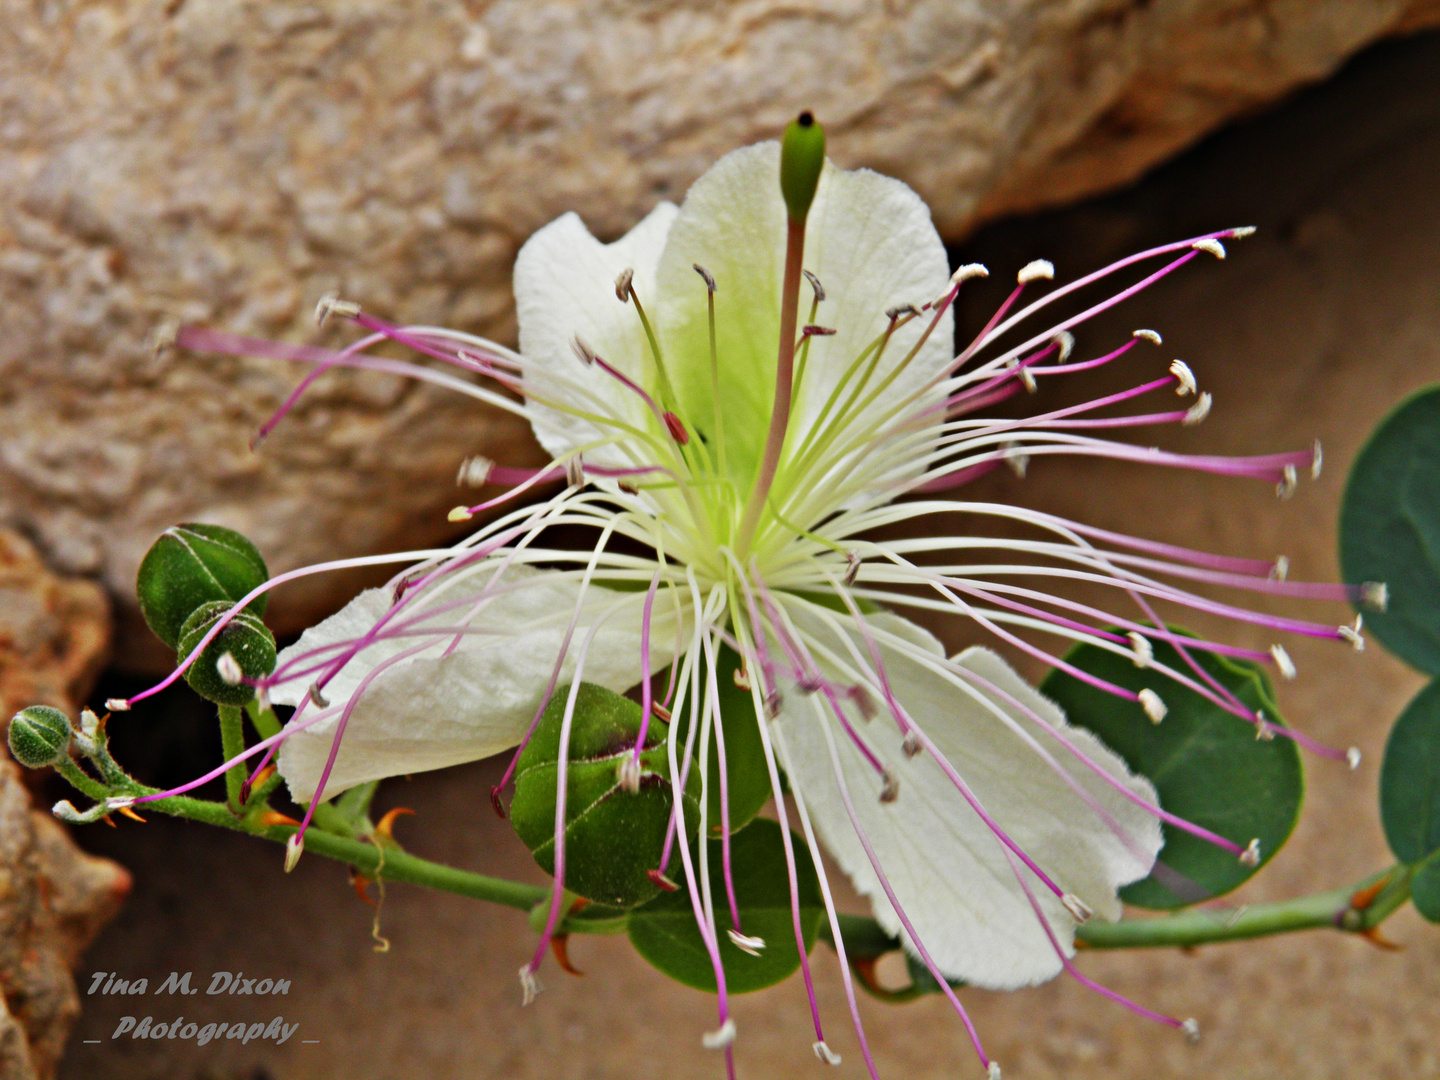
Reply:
x=1077, y=907
x=575, y=471
x=721, y=1038
x=1026, y=375
x=165, y=336
x=294, y=848
x=1039, y=270
x=1251, y=855
x=889, y=787
x=1149, y=335
x=1210, y=244
x=117, y=704
x=992, y=1071
x=119, y=802
x=529, y=985
x=89, y=723
x=1352, y=634
x=627, y=773
x=1144, y=651
x=1263, y=731
x=316, y=697
x=863, y=702
x=1016, y=458
x=1200, y=409
x=773, y=701
x=745, y=943
x=852, y=568
x=910, y=745
x=817, y=331
x=968, y=271
x=1065, y=342
x=1375, y=595
x=1154, y=708
x=742, y=679
x=622, y=284
x=1352, y=758
x=1184, y=376
x=1283, y=661
x=228, y=668
x=1317, y=461
x=901, y=309
x=459, y=513
x=705, y=274
x=1281, y=570
x=1242, y=231
x=814, y=284
x=330, y=304
x=474, y=471
x=825, y=1054
x=1191, y=1028
x=1288, y=483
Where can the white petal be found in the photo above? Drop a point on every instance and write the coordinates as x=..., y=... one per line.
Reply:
x=565, y=288
x=869, y=239
x=432, y=710
x=947, y=869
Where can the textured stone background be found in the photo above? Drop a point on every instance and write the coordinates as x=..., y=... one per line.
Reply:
x=1314, y=327
x=229, y=161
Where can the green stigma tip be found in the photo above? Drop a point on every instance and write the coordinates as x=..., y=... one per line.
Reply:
x=802, y=156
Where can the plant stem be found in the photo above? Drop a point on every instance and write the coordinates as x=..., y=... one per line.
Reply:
x=232, y=745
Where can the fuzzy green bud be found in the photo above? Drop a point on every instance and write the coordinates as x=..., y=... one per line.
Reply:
x=40, y=736
x=245, y=649
x=616, y=814
x=191, y=565
x=802, y=156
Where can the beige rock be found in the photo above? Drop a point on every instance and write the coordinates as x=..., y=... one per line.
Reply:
x=228, y=162
x=53, y=900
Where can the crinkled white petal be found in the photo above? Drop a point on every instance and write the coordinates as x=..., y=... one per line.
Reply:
x=945, y=865
x=432, y=710
x=869, y=239
x=565, y=288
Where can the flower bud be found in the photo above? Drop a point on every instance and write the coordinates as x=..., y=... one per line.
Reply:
x=802, y=157
x=40, y=736
x=190, y=565
x=246, y=641
x=615, y=822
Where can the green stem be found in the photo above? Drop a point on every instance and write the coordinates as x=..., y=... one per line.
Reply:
x=80, y=780
x=232, y=745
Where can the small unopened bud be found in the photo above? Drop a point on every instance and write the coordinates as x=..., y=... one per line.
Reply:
x=1251, y=855
x=1154, y=708
x=1039, y=270
x=89, y=723
x=192, y=565
x=747, y=944
x=40, y=736
x=245, y=640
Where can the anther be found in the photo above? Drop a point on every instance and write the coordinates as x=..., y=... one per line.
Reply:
x=1241, y=232
x=459, y=513
x=1154, y=708
x=773, y=701
x=661, y=712
x=992, y=1071
x=1317, y=460
x=660, y=881
x=1289, y=481
x=575, y=471
x=817, y=331
x=627, y=773
x=1199, y=410
x=89, y=723
x=825, y=1054
x=474, y=471
x=117, y=704
x=1210, y=244
x=677, y=428
x=705, y=274
x=1352, y=633
x=889, y=787
x=745, y=943
x=529, y=985
x=1263, y=731
x=1144, y=651
x=968, y=271
x=720, y=1039
x=1039, y=270
x=1281, y=570
x=330, y=304
x=1375, y=595
x=316, y=697
x=910, y=745
x=228, y=668
x=166, y=335
x=742, y=679
x=583, y=351
x=119, y=802
x=863, y=701
x=628, y=486
x=1251, y=855
x=1016, y=458
x=1151, y=336
x=294, y=848
x=814, y=284
x=852, y=568
x=901, y=309
x=1191, y=1029
x=1026, y=375
x=1077, y=907
x=622, y=284
x=1184, y=376
x=1065, y=343
x=1352, y=758
x=1283, y=661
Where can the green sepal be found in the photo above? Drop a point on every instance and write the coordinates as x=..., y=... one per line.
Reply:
x=194, y=564
x=802, y=157
x=246, y=638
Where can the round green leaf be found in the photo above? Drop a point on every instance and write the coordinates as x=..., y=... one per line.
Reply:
x=664, y=931
x=747, y=779
x=1410, y=779
x=1425, y=890
x=1206, y=765
x=1390, y=529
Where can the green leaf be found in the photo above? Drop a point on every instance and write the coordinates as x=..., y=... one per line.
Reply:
x=1410, y=779
x=664, y=930
x=1390, y=529
x=1206, y=765
x=747, y=779
x=1425, y=889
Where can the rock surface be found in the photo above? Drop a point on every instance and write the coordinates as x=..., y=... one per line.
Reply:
x=229, y=162
x=53, y=901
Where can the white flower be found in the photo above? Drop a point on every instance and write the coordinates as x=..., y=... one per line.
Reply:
x=978, y=822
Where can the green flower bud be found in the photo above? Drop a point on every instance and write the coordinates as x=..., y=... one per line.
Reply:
x=190, y=565
x=616, y=816
x=802, y=156
x=246, y=641
x=40, y=736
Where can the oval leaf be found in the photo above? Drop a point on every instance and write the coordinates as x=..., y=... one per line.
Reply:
x=1410, y=779
x=1390, y=529
x=664, y=930
x=1206, y=765
x=1425, y=890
